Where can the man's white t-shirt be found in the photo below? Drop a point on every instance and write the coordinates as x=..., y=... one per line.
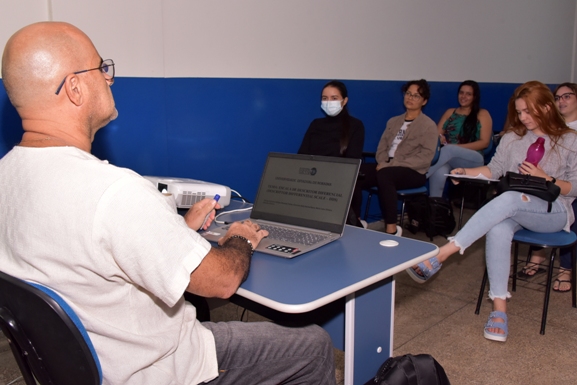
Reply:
x=115, y=249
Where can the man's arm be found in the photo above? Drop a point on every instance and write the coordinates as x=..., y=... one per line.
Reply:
x=224, y=268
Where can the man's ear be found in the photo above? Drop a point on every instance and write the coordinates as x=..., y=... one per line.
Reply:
x=73, y=88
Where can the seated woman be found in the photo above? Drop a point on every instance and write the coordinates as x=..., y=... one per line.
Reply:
x=566, y=100
x=338, y=133
x=404, y=155
x=533, y=114
x=465, y=132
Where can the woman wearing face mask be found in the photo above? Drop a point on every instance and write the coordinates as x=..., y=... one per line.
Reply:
x=465, y=132
x=403, y=156
x=338, y=133
x=531, y=114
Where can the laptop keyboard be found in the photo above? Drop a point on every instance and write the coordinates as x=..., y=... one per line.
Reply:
x=295, y=236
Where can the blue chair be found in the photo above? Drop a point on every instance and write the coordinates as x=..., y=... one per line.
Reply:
x=554, y=241
x=46, y=337
x=480, y=187
x=405, y=194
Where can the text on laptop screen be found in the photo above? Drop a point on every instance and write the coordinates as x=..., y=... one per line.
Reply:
x=307, y=188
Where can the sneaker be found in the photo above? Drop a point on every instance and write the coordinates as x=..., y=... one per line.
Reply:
x=397, y=233
x=364, y=223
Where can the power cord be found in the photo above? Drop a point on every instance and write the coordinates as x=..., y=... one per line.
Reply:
x=229, y=212
x=239, y=196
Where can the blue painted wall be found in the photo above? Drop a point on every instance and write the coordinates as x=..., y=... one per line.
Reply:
x=221, y=129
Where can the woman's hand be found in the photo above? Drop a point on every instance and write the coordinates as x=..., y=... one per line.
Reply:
x=457, y=171
x=443, y=139
x=527, y=168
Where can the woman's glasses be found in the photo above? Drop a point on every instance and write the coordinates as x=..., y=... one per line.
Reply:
x=409, y=95
x=565, y=96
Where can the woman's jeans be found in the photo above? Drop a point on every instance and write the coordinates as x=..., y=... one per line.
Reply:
x=451, y=157
x=499, y=220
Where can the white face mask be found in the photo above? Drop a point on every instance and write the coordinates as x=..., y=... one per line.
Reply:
x=332, y=107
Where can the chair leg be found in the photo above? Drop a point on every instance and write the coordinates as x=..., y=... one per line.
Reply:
x=461, y=210
x=547, y=291
x=481, y=292
x=515, y=266
x=403, y=212
x=574, y=274
x=368, y=205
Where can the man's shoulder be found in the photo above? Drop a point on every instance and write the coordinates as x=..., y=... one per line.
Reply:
x=65, y=164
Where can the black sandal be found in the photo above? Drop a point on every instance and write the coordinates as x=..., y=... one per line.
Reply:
x=529, y=268
x=560, y=281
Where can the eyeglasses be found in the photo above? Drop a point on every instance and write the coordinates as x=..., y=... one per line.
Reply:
x=565, y=96
x=409, y=95
x=107, y=69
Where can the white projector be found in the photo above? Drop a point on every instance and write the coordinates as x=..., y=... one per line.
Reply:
x=187, y=192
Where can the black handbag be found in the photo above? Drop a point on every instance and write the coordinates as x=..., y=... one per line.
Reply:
x=420, y=369
x=531, y=185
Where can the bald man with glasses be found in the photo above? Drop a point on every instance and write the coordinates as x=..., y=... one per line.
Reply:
x=114, y=248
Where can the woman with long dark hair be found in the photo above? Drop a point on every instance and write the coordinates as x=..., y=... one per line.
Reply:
x=338, y=133
x=465, y=132
x=532, y=114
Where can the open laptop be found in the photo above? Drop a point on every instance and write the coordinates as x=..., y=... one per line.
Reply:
x=304, y=194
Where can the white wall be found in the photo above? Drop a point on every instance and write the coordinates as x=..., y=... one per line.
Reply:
x=441, y=40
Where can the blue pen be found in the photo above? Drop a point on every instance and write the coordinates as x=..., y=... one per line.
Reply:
x=216, y=198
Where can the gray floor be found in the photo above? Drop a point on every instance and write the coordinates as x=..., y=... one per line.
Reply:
x=438, y=318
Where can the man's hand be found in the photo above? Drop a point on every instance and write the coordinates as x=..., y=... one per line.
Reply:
x=247, y=229
x=195, y=216
x=225, y=268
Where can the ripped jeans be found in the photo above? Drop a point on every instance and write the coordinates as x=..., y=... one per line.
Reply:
x=500, y=219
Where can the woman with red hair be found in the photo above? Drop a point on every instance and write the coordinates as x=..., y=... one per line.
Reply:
x=532, y=114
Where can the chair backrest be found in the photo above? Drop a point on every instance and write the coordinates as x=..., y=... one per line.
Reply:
x=46, y=337
x=437, y=152
x=491, y=148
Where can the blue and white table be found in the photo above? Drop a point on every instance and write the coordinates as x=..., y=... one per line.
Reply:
x=356, y=268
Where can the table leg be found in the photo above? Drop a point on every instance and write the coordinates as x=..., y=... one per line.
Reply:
x=369, y=316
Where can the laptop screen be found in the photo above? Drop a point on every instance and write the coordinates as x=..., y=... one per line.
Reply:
x=306, y=190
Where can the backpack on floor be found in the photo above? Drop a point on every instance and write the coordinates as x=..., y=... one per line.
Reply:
x=441, y=217
x=418, y=212
x=421, y=369
x=432, y=215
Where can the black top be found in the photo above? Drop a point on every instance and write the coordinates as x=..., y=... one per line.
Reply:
x=324, y=134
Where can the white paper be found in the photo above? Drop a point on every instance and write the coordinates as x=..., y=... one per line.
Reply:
x=480, y=177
